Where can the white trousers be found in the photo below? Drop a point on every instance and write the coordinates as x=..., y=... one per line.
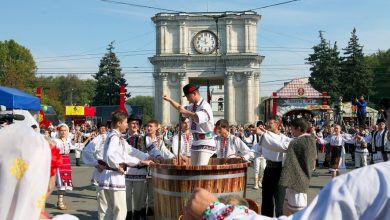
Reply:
x=200, y=157
x=259, y=166
x=136, y=193
x=77, y=153
x=112, y=204
x=360, y=159
x=101, y=202
x=294, y=201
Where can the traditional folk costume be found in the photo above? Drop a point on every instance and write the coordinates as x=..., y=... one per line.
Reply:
x=78, y=142
x=273, y=147
x=136, y=178
x=155, y=144
x=203, y=145
x=250, y=141
x=361, y=152
x=186, y=143
x=92, y=153
x=259, y=163
x=380, y=145
x=337, y=150
x=24, y=172
x=64, y=173
x=232, y=145
x=167, y=136
x=112, y=183
x=342, y=198
x=297, y=171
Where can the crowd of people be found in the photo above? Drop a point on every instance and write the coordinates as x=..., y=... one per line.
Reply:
x=284, y=158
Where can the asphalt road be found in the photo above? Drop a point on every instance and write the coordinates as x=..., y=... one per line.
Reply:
x=81, y=202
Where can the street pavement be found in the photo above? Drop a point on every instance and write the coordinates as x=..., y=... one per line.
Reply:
x=81, y=202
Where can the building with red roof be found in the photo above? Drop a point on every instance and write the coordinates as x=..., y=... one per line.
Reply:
x=295, y=98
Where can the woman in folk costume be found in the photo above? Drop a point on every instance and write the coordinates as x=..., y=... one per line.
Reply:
x=79, y=143
x=337, y=151
x=64, y=174
x=228, y=144
x=186, y=139
x=27, y=163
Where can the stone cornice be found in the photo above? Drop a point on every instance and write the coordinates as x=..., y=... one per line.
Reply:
x=205, y=58
x=252, y=15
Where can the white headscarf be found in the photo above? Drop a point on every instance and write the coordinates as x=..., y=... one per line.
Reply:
x=24, y=172
x=63, y=125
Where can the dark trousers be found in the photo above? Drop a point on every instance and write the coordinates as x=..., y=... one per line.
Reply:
x=361, y=119
x=272, y=193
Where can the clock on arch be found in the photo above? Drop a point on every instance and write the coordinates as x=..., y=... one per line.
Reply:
x=205, y=42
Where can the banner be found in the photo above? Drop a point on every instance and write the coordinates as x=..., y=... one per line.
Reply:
x=74, y=110
x=89, y=111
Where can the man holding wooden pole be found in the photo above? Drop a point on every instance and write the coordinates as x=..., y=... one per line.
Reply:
x=201, y=119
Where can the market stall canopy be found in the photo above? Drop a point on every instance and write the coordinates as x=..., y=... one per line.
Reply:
x=349, y=111
x=16, y=99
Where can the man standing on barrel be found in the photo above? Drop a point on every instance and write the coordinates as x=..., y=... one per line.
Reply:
x=201, y=124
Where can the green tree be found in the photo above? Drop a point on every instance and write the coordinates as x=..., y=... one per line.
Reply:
x=109, y=78
x=65, y=90
x=17, y=66
x=51, y=93
x=75, y=91
x=325, y=68
x=146, y=102
x=379, y=66
x=356, y=80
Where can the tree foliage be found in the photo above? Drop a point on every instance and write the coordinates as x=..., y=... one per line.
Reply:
x=356, y=79
x=146, y=102
x=379, y=66
x=346, y=76
x=65, y=90
x=17, y=66
x=109, y=79
x=325, y=68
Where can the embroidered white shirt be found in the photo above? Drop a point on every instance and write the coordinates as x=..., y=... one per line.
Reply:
x=117, y=151
x=186, y=142
x=206, y=122
x=64, y=146
x=92, y=153
x=232, y=145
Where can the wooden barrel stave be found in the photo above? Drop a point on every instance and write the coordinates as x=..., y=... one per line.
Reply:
x=173, y=185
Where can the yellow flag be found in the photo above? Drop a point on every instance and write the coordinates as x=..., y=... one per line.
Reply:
x=74, y=110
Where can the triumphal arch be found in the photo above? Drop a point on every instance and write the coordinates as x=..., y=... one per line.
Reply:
x=216, y=48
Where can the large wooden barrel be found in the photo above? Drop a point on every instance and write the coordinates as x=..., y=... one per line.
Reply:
x=173, y=184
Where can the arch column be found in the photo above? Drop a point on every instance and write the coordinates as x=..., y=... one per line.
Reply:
x=249, y=93
x=229, y=98
x=156, y=109
x=256, y=90
x=164, y=90
x=182, y=83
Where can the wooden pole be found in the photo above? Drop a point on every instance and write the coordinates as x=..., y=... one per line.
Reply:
x=179, y=143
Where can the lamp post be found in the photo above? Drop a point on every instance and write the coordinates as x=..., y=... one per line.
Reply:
x=71, y=96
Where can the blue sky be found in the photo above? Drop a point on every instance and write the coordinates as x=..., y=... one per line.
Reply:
x=71, y=35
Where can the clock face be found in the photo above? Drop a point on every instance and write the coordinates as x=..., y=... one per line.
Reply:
x=205, y=42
